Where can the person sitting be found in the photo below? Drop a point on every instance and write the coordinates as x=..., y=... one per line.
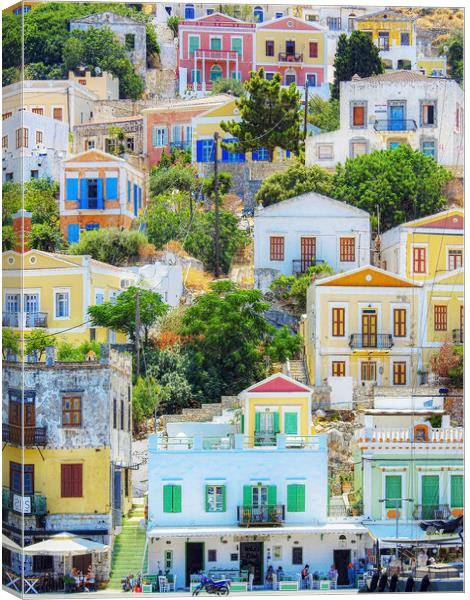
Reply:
x=305, y=576
x=333, y=573
x=393, y=582
x=269, y=576
x=382, y=583
x=351, y=575
x=374, y=581
x=425, y=583
x=89, y=580
x=279, y=573
x=410, y=584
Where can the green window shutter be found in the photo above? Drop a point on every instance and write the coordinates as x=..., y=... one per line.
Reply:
x=257, y=422
x=224, y=499
x=207, y=497
x=292, y=497
x=193, y=44
x=272, y=495
x=276, y=422
x=177, y=498
x=167, y=498
x=237, y=45
x=301, y=498
x=290, y=423
x=247, y=496
x=242, y=423
x=216, y=44
x=392, y=490
x=456, y=491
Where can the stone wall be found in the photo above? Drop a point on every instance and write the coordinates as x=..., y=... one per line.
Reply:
x=206, y=412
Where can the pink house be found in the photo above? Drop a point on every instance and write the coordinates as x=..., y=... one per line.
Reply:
x=212, y=47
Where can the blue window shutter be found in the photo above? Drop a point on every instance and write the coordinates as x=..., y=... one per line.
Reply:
x=135, y=199
x=199, y=150
x=128, y=191
x=100, y=193
x=212, y=147
x=177, y=137
x=73, y=232
x=71, y=189
x=111, y=188
x=254, y=155
x=287, y=153
x=140, y=197
x=83, y=193
x=226, y=153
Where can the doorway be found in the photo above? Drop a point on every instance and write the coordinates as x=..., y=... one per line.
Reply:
x=307, y=253
x=194, y=559
x=397, y=117
x=369, y=329
x=251, y=555
x=82, y=562
x=341, y=560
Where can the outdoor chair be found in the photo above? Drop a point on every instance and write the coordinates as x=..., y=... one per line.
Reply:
x=425, y=583
x=410, y=584
x=373, y=582
x=393, y=583
x=171, y=582
x=163, y=585
x=382, y=583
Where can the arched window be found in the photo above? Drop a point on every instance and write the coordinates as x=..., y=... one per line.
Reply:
x=421, y=433
x=258, y=14
x=189, y=12
x=216, y=72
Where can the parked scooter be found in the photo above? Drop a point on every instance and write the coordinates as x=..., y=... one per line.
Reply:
x=220, y=588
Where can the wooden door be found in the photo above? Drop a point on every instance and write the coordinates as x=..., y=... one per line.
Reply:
x=369, y=330
x=307, y=252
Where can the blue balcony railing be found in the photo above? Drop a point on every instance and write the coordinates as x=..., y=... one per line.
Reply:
x=180, y=145
x=395, y=125
x=29, y=504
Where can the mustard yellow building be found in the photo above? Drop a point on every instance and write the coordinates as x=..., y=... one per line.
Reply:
x=363, y=324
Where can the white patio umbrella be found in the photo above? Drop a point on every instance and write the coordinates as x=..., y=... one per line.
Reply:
x=11, y=545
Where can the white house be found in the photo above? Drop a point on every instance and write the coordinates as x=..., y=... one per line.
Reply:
x=164, y=278
x=247, y=490
x=33, y=146
x=306, y=230
x=397, y=107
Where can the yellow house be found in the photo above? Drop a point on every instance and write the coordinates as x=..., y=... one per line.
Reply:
x=278, y=404
x=432, y=66
x=363, y=324
x=55, y=291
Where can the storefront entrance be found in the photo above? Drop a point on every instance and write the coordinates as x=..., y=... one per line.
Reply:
x=341, y=560
x=194, y=559
x=251, y=554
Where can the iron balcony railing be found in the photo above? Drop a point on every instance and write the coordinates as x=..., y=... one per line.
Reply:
x=345, y=511
x=457, y=336
x=395, y=125
x=300, y=266
x=180, y=145
x=208, y=54
x=29, y=504
x=431, y=511
x=271, y=514
x=290, y=57
x=381, y=341
x=384, y=46
x=28, y=319
x=23, y=436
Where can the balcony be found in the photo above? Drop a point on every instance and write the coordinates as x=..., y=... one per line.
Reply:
x=238, y=442
x=32, y=504
x=457, y=336
x=180, y=145
x=29, y=319
x=23, y=436
x=431, y=511
x=343, y=511
x=208, y=54
x=249, y=516
x=290, y=57
x=300, y=266
x=378, y=341
x=395, y=125
x=437, y=435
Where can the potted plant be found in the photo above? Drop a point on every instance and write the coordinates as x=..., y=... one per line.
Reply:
x=346, y=485
x=356, y=508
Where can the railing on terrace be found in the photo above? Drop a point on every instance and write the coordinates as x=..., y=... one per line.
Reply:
x=381, y=341
x=180, y=145
x=30, y=504
x=262, y=515
x=266, y=440
x=23, y=436
x=236, y=441
x=345, y=511
x=431, y=511
x=395, y=125
x=290, y=57
x=437, y=435
x=28, y=319
x=457, y=336
x=300, y=266
x=209, y=54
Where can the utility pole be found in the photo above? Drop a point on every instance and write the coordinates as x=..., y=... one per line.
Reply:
x=216, y=190
x=137, y=330
x=190, y=206
x=305, y=109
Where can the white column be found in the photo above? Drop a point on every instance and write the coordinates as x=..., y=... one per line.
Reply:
x=228, y=65
x=203, y=71
x=195, y=70
x=236, y=64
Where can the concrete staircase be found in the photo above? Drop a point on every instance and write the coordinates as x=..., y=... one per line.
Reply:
x=206, y=412
x=129, y=547
x=297, y=370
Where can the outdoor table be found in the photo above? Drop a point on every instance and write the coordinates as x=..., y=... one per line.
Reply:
x=30, y=584
x=12, y=579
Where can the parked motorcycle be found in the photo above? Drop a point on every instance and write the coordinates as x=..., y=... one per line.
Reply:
x=220, y=588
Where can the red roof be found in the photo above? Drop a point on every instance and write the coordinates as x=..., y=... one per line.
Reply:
x=278, y=384
x=447, y=222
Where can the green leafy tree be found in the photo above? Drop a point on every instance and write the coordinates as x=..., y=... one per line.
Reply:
x=324, y=114
x=283, y=345
x=111, y=245
x=173, y=22
x=296, y=180
x=234, y=87
x=11, y=200
x=10, y=75
x=68, y=352
x=403, y=183
x=117, y=135
x=270, y=116
x=452, y=47
x=10, y=342
x=46, y=237
x=145, y=400
x=355, y=55
x=8, y=238
x=11, y=43
x=121, y=314
x=176, y=176
x=40, y=198
x=37, y=341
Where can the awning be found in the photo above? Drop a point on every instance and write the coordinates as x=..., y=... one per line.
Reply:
x=65, y=544
x=10, y=544
x=409, y=534
x=195, y=532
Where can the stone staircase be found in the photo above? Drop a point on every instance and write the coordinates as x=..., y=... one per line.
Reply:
x=297, y=370
x=129, y=547
x=206, y=412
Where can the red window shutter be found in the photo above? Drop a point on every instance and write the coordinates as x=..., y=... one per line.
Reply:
x=358, y=115
x=77, y=480
x=313, y=50
x=64, y=480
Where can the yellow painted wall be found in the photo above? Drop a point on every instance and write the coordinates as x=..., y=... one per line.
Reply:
x=96, y=476
x=394, y=27
x=301, y=38
x=281, y=403
x=436, y=253
x=429, y=64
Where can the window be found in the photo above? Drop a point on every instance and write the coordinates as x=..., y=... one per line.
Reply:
x=313, y=49
x=260, y=154
x=297, y=556
x=269, y=48
x=358, y=149
x=216, y=43
x=324, y=151
x=130, y=144
x=216, y=73
x=99, y=296
x=90, y=145
x=5, y=141
x=399, y=373
x=458, y=117
x=269, y=76
x=296, y=497
x=428, y=148
x=338, y=368
x=8, y=176
x=130, y=41
x=290, y=78
x=42, y=563
x=195, y=76
x=419, y=260
x=39, y=136
x=168, y=559
x=440, y=317
x=347, y=249
x=159, y=136
x=57, y=113
x=193, y=44
x=428, y=114
x=71, y=411
x=236, y=75
x=404, y=39
x=454, y=259
x=399, y=322
x=276, y=248
x=205, y=150
x=6, y=115
x=311, y=80
x=384, y=41
x=368, y=371
x=122, y=415
x=189, y=12
x=17, y=473
x=358, y=115
x=37, y=111
x=333, y=23
x=456, y=491
x=392, y=491
x=71, y=480
x=215, y=498
x=212, y=556
x=22, y=137
x=237, y=45
x=258, y=14
x=338, y=321
x=115, y=413
x=62, y=305
x=172, y=498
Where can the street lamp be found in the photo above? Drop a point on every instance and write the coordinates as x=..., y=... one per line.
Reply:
x=397, y=502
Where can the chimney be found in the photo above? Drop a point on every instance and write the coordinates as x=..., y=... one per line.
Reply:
x=21, y=229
